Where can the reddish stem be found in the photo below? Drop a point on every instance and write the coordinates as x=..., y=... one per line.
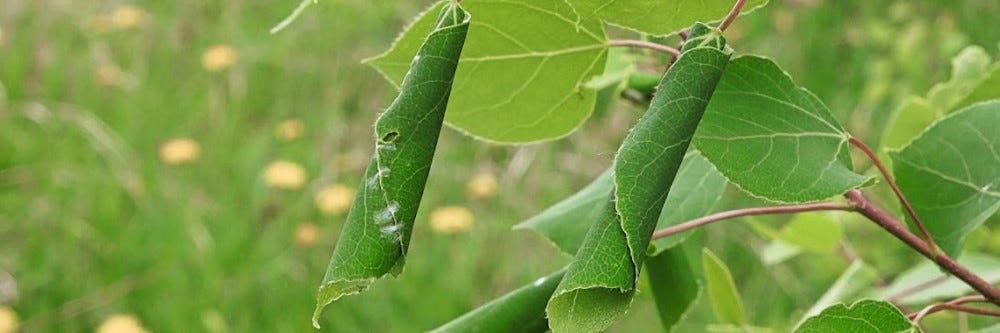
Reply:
x=705, y=220
x=894, y=227
x=733, y=13
x=954, y=305
x=895, y=189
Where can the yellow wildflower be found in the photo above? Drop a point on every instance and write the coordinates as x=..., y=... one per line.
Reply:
x=8, y=320
x=219, y=58
x=180, y=151
x=290, y=129
x=306, y=235
x=121, y=323
x=335, y=199
x=284, y=175
x=451, y=220
x=127, y=17
x=482, y=186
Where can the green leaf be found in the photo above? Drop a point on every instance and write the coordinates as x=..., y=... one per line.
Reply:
x=544, y=97
x=969, y=69
x=908, y=121
x=866, y=316
x=522, y=310
x=566, y=223
x=722, y=292
x=600, y=282
x=657, y=17
x=988, y=89
x=695, y=191
x=856, y=278
x=951, y=173
x=774, y=139
x=674, y=285
x=813, y=232
x=913, y=282
x=376, y=235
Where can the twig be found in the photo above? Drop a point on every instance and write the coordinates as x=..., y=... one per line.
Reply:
x=645, y=45
x=954, y=305
x=733, y=13
x=896, y=228
x=895, y=189
x=705, y=220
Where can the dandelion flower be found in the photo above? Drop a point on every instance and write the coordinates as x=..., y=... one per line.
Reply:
x=306, y=235
x=284, y=175
x=219, y=58
x=179, y=151
x=335, y=199
x=451, y=220
x=121, y=323
x=290, y=129
x=127, y=17
x=481, y=186
x=8, y=320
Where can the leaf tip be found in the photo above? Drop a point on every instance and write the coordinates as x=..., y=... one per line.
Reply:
x=331, y=291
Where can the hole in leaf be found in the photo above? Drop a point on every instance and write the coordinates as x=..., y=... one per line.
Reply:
x=390, y=137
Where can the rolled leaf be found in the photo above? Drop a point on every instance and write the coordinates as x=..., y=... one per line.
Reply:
x=600, y=282
x=375, y=237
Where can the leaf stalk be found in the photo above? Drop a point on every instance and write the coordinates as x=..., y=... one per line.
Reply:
x=899, y=193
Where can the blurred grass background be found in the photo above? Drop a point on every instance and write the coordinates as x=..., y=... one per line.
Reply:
x=138, y=142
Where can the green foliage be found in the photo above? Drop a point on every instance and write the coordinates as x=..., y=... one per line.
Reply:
x=722, y=292
x=854, y=280
x=774, y=139
x=915, y=279
x=655, y=16
x=377, y=233
x=951, y=173
x=674, y=285
x=970, y=82
x=608, y=263
x=866, y=316
x=545, y=98
x=522, y=310
x=83, y=193
x=695, y=191
x=814, y=232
